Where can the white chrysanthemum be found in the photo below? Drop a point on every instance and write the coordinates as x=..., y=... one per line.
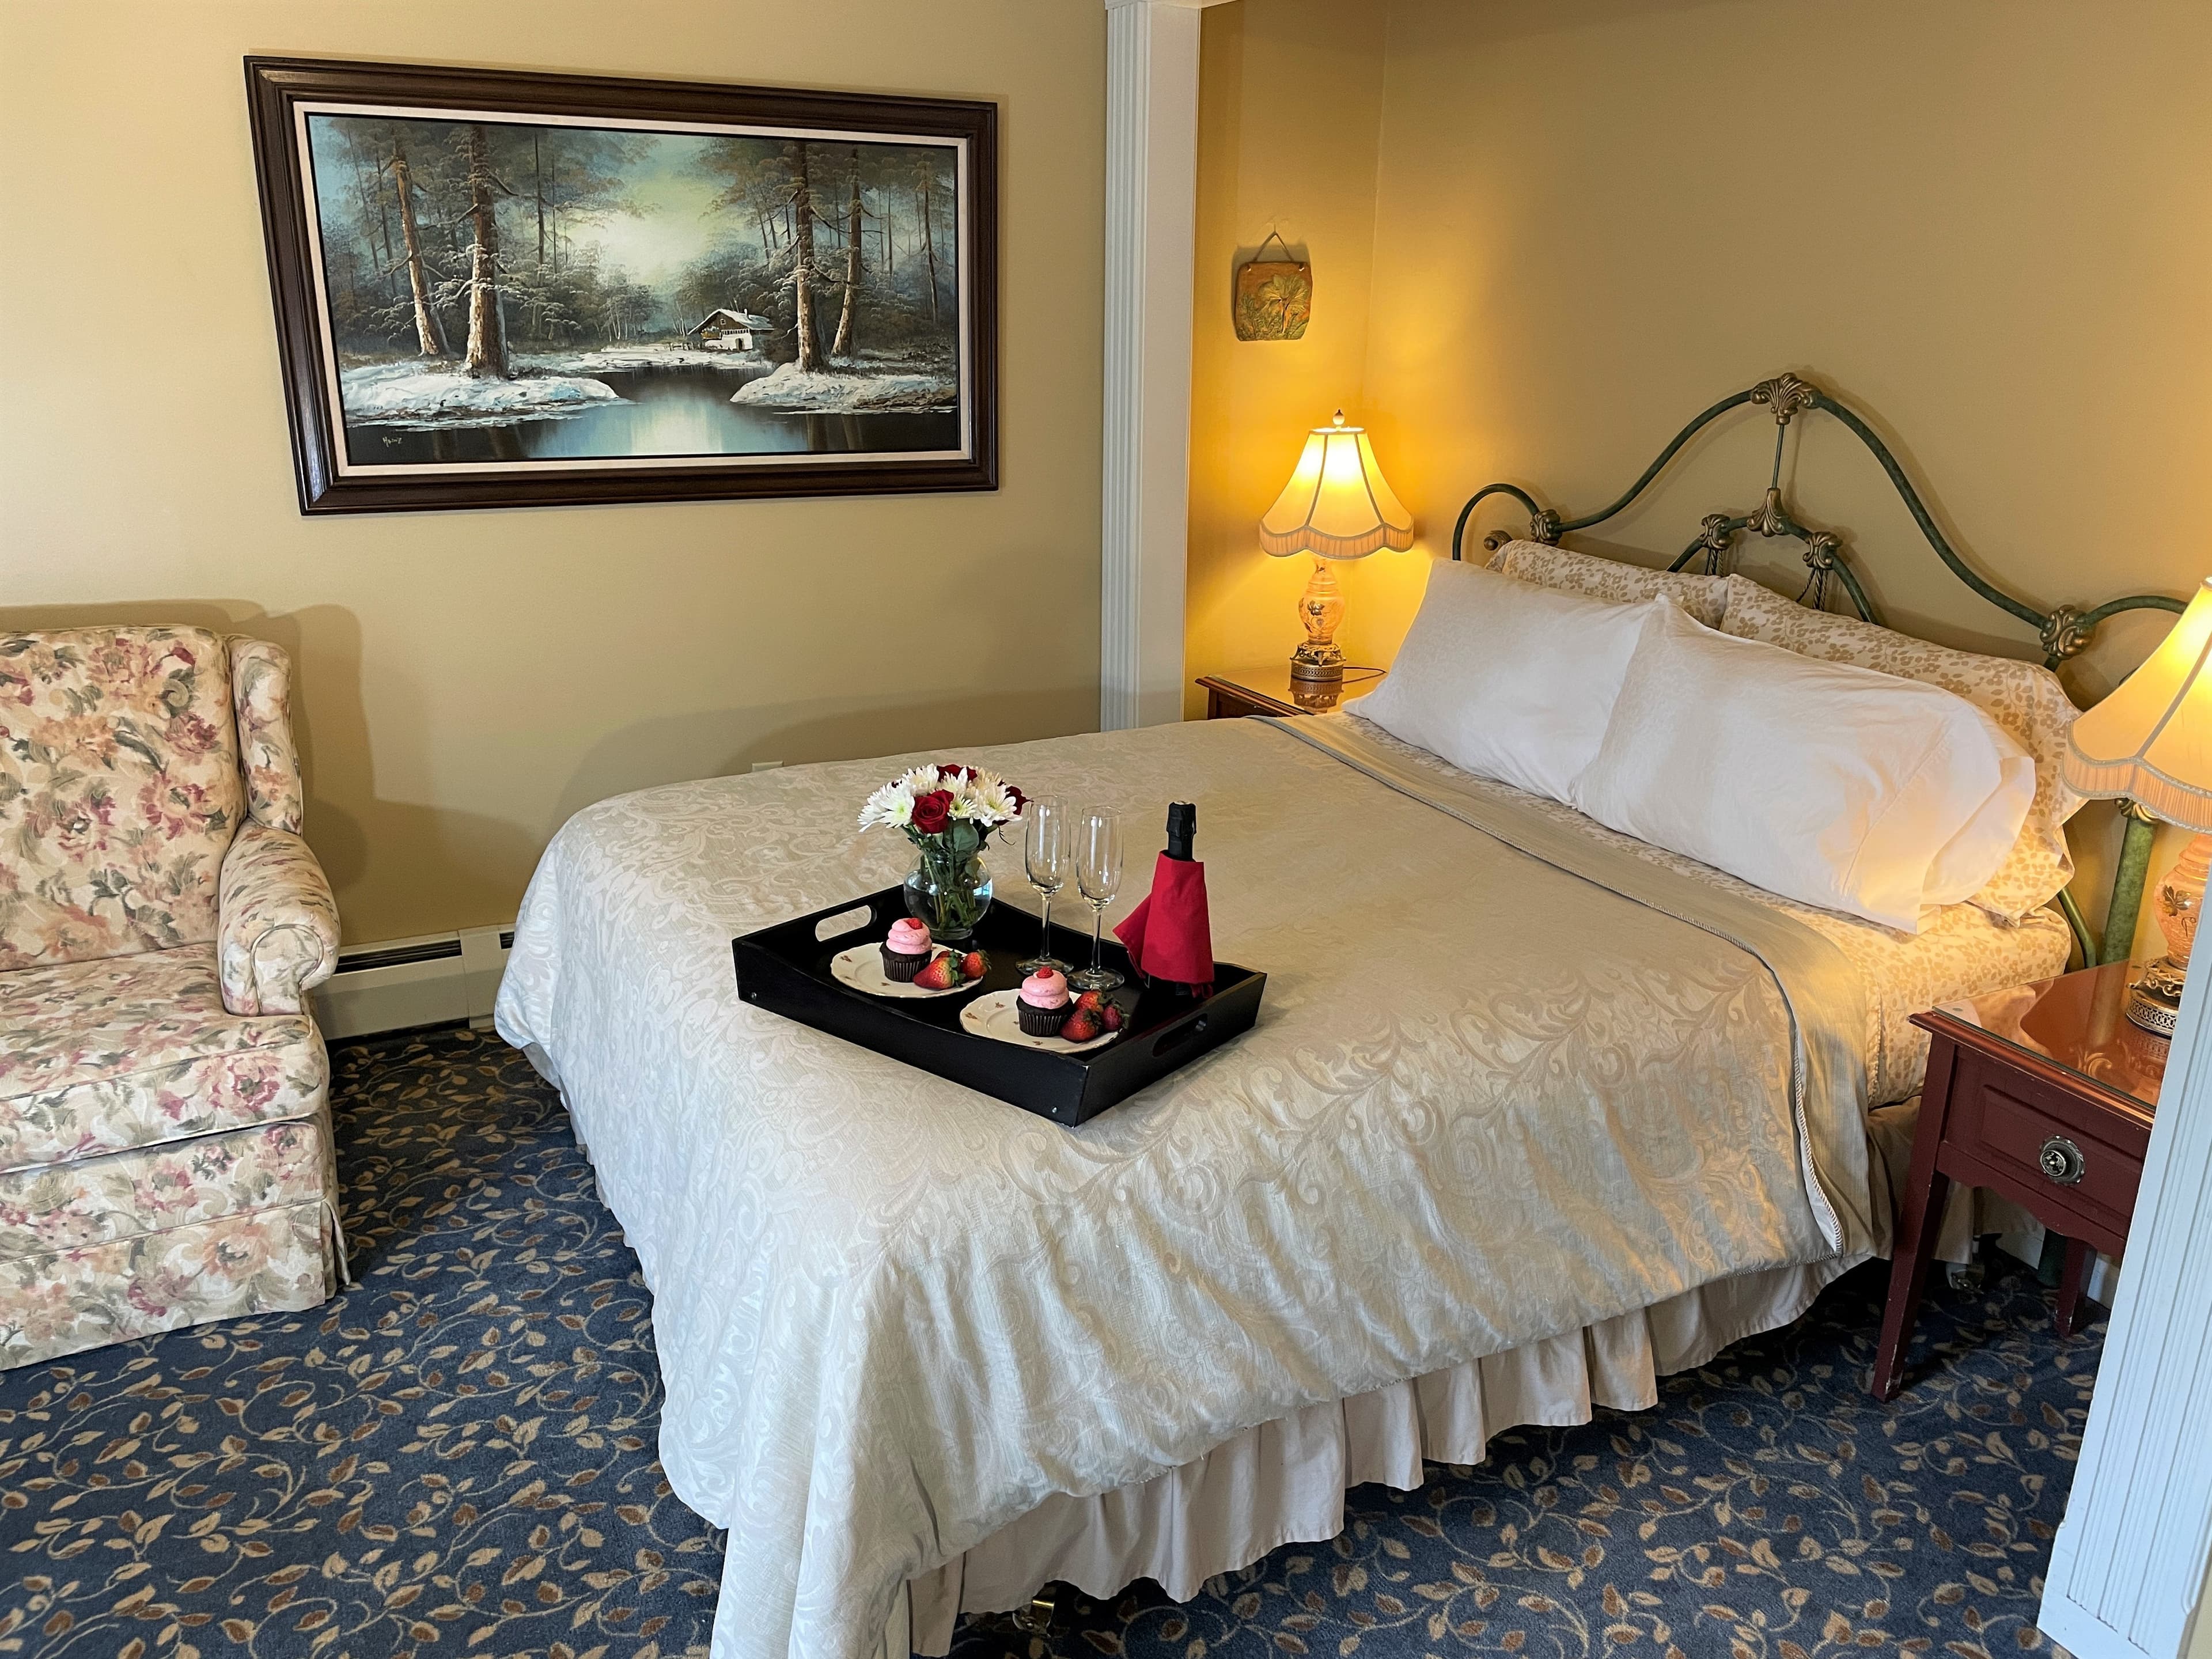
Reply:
x=997, y=800
x=982, y=798
x=921, y=780
x=892, y=805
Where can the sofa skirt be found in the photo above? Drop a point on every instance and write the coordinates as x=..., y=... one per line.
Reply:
x=128, y=1244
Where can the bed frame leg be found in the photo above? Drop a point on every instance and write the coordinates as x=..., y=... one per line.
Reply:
x=1036, y=1620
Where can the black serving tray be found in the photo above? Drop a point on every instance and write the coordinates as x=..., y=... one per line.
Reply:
x=785, y=969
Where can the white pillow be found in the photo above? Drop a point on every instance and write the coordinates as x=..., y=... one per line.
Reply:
x=1506, y=679
x=2025, y=698
x=1824, y=782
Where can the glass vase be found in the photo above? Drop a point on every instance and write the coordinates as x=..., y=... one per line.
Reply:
x=948, y=893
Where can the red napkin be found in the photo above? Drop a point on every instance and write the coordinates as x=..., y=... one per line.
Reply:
x=1167, y=935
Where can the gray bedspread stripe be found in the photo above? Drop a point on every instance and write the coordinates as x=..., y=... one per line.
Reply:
x=1824, y=995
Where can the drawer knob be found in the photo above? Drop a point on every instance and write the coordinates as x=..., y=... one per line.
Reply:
x=2061, y=1160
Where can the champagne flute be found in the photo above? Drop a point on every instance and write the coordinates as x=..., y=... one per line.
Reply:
x=1098, y=876
x=1046, y=851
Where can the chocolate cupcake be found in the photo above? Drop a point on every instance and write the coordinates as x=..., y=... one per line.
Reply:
x=906, y=952
x=1041, y=1004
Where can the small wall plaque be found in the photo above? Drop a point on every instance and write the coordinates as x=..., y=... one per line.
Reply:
x=1272, y=298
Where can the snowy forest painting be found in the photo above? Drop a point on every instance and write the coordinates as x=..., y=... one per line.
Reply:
x=530, y=308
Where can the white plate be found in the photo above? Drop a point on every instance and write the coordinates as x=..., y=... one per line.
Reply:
x=862, y=968
x=994, y=1017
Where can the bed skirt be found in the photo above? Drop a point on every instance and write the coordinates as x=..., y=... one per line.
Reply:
x=1284, y=1482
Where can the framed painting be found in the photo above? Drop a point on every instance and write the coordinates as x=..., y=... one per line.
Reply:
x=501, y=290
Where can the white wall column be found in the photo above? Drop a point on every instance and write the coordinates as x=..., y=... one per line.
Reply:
x=1152, y=197
x=2129, y=1563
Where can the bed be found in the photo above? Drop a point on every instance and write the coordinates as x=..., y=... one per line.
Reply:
x=1532, y=1115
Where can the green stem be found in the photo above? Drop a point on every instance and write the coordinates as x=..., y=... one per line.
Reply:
x=954, y=905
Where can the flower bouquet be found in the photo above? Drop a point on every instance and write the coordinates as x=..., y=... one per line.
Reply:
x=948, y=813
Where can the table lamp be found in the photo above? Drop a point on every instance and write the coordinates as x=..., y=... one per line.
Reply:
x=2151, y=741
x=1336, y=506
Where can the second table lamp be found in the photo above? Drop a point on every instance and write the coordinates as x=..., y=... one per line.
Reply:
x=2151, y=740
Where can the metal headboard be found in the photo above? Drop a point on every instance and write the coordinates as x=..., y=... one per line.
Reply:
x=2063, y=631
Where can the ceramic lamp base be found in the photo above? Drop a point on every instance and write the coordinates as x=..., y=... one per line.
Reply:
x=1321, y=608
x=2154, y=1001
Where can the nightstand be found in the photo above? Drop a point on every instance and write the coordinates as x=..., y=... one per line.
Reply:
x=2044, y=1093
x=1271, y=691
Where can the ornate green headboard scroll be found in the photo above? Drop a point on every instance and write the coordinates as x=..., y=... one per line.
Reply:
x=2063, y=631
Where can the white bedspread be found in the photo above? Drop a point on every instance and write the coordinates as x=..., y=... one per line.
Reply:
x=1488, y=1101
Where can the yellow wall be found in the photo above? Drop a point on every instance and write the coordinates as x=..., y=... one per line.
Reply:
x=469, y=679
x=1290, y=102
x=1984, y=222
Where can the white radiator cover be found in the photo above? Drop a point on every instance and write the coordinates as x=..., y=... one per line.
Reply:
x=434, y=979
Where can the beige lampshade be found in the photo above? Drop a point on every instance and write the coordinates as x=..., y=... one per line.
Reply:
x=1337, y=505
x=2151, y=740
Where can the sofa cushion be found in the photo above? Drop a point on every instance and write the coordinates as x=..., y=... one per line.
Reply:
x=120, y=790
x=130, y=1051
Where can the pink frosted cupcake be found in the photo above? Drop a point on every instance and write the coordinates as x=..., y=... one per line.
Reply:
x=1041, y=1003
x=906, y=952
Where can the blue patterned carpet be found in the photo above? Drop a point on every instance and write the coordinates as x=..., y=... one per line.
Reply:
x=457, y=1458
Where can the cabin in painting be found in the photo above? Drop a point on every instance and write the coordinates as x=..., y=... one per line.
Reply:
x=725, y=329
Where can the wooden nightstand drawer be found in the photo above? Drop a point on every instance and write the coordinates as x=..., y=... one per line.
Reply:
x=2008, y=1120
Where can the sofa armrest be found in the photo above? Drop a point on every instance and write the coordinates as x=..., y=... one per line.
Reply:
x=278, y=925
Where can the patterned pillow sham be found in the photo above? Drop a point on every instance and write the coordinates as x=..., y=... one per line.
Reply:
x=1702, y=597
x=2025, y=698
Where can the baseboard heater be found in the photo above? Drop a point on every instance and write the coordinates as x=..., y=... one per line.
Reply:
x=395, y=985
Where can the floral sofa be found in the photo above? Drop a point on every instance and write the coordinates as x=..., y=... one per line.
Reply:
x=165, y=1120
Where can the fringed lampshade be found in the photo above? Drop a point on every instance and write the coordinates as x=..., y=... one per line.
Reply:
x=1337, y=506
x=2151, y=741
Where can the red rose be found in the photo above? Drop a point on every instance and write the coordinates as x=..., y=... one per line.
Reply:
x=1021, y=801
x=955, y=774
x=933, y=812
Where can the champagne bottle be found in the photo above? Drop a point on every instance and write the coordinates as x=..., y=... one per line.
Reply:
x=1182, y=828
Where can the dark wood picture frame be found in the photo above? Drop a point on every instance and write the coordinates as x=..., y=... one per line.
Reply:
x=277, y=87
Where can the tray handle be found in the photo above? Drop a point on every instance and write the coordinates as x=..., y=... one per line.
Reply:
x=835, y=927
x=1176, y=1035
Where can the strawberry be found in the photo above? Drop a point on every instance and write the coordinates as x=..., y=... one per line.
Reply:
x=974, y=965
x=1089, y=1003
x=1082, y=1026
x=942, y=974
x=1110, y=1016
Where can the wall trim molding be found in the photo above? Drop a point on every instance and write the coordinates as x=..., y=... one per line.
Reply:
x=1151, y=208
x=2129, y=1563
